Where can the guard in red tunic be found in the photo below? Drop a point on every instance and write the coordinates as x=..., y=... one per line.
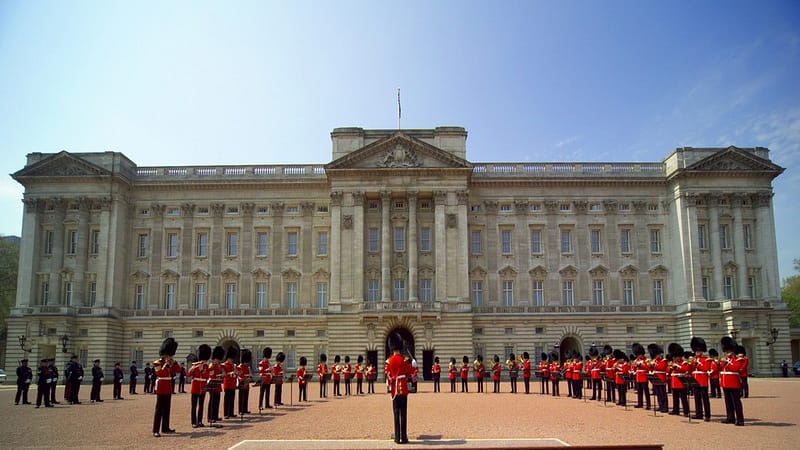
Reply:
x=659, y=367
x=277, y=376
x=678, y=369
x=322, y=373
x=464, y=374
x=165, y=368
x=716, y=392
x=199, y=373
x=337, y=375
x=243, y=377
x=577, y=370
x=610, y=362
x=640, y=371
x=347, y=372
x=496, y=373
x=229, y=381
x=544, y=373
x=265, y=372
x=215, y=373
x=513, y=371
x=555, y=373
x=360, y=369
x=567, y=367
x=700, y=370
x=371, y=374
x=596, y=373
x=480, y=368
x=452, y=371
x=302, y=381
x=398, y=371
x=621, y=368
x=730, y=380
x=526, y=371
x=741, y=354
x=436, y=374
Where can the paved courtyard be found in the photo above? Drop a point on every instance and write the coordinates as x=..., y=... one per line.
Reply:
x=441, y=420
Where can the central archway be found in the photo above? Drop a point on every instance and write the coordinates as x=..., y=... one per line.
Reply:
x=227, y=344
x=570, y=345
x=408, y=343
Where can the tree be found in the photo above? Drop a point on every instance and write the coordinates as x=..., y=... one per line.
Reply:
x=9, y=265
x=790, y=294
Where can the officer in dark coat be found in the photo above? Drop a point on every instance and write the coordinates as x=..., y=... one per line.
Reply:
x=44, y=379
x=134, y=376
x=74, y=379
x=148, y=379
x=24, y=377
x=118, y=376
x=51, y=366
x=97, y=381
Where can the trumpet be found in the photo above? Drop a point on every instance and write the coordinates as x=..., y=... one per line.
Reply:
x=476, y=364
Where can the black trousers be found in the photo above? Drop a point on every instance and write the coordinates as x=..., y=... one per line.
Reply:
x=680, y=395
x=227, y=408
x=555, y=388
x=117, y=390
x=642, y=390
x=545, y=386
x=464, y=385
x=347, y=386
x=702, y=406
x=323, y=388
x=43, y=393
x=621, y=394
x=53, y=391
x=436, y=385
x=74, y=388
x=597, y=389
x=95, y=394
x=147, y=384
x=577, y=388
x=22, y=392
x=745, y=388
x=263, y=395
x=611, y=391
x=161, y=416
x=733, y=406
x=716, y=392
x=400, y=410
x=213, y=406
x=197, y=407
x=514, y=385
x=526, y=381
x=453, y=385
x=496, y=386
x=370, y=386
x=244, y=401
x=569, y=387
x=302, y=392
x=660, y=391
x=480, y=384
x=359, y=385
x=132, y=387
x=278, y=394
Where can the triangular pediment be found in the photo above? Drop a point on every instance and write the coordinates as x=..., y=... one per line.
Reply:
x=733, y=159
x=62, y=164
x=398, y=151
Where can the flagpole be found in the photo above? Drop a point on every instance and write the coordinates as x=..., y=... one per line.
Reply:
x=399, y=110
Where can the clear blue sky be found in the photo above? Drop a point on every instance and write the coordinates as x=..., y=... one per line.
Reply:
x=197, y=82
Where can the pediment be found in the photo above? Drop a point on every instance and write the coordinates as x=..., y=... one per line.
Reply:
x=598, y=271
x=260, y=274
x=734, y=159
x=538, y=272
x=477, y=273
x=507, y=272
x=63, y=164
x=398, y=151
x=568, y=271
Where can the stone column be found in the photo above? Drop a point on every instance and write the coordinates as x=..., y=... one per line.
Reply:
x=29, y=253
x=714, y=248
x=185, y=268
x=216, y=245
x=306, y=290
x=58, y=251
x=246, y=255
x=522, y=253
x=82, y=255
x=357, y=268
x=412, y=246
x=335, y=250
x=463, y=246
x=156, y=247
x=691, y=243
x=277, y=255
x=766, y=246
x=440, y=204
x=738, y=248
x=386, y=247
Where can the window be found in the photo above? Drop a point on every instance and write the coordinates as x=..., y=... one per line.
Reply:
x=68, y=293
x=138, y=302
x=202, y=245
x=505, y=207
x=425, y=204
x=702, y=242
x=724, y=239
x=399, y=290
x=261, y=295
x=263, y=209
x=705, y=283
x=48, y=242
x=564, y=207
x=294, y=209
x=624, y=207
x=566, y=293
x=625, y=241
x=747, y=231
x=172, y=245
x=655, y=241
x=322, y=295
x=91, y=295
x=595, y=238
x=475, y=208
x=534, y=207
x=399, y=239
x=627, y=292
x=599, y=330
x=566, y=241
x=291, y=243
x=425, y=239
x=505, y=237
x=652, y=206
x=291, y=295
x=476, y=292
x=262, y=244
x=537, y=293
x=322, y=243
x=94, y=247
x=138, y=334
x=508, y=293
x=72, y=242
x=508, y=331
x=399, y=204
x=373, y=205
x=536, y=241
x=232, y=243
x=475, y=242
x=751, y=286
x=659, y=329
x=595, y=207
x=373, y=290
x=291, y=358
x=142, y=247
x=321, y=333
x=44, y=292
x=169, y=296
x=629, y=330
x=597, y=292
x=728, y=287
x=425, y=291
x=230, y=295
x=658, y=292
x=200, y=296
x=372, y=240
x=199, y=333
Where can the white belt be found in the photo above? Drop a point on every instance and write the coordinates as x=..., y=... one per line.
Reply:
x=730, y=373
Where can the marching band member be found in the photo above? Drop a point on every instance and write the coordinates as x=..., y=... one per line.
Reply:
x=452, y=373
x=621, y=368
x=700, y=371
x=716, y=392
x=199, y=373
x=678, y=369
x=302, y=382
x=215, y=373
x=544, y=370
x=265, y=372
x=243, y=376
x=322, y=373
x=496, y=373
x=398, y=370
x=372, y=374
x=577, y=382
x=596, y=373
x=337, y=373
x=730, y=380
x=741, y=354
x=479, y=369
x=587, y=371
x=659, y=367
x=164, y=368
x=566, y=367
x=347, y=371
x=513, y=371
x=640, y=369
x=610, y=362
x=436, y=372
x=277, y=376
x=555, y=373
x=360, y=375
x=526, y=371
x=464, y=373
x=229, y=382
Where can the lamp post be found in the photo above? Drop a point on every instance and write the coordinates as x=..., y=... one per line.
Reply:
x=64, y=342
x=22, y=340
x=774, y=335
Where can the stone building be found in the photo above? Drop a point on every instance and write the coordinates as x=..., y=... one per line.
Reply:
x=399, y=232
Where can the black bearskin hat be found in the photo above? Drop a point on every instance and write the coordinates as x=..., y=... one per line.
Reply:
x=728, y=344
x=593, y=351
x=281, y=357
x=337, y=358
x=452, y=360
x=713, y=353
x=698, y=344
x=637, y=349
x=218, y=353
x=168, y=347
x=608, y=350
x=347, y=358
x=654, y=350
x=436, y=360
x=544, y=356
x=568, y=355
x=361, y=359
x=553, y=356
x=525, y=355
x=674, y=350
x=739, y=350
x=267, y=353
x=395, y=342
x=576, y=355
x=204, y=352
x=465, y=359
x=511, y=356
x=496, y=359
x=618, y=354
x=587, y=357
x=247, y=356
x=480, y=358
x=323, y=357
x=303, y=361
x=233, y=353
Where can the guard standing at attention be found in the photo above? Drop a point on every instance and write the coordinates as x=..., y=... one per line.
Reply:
x=398, y=371
x=74, y=376
x=526, y=371
x=243, y=378
x=44, y=380
x=302, y=381
x=24, y=377
x=165, y=368
x=51, y=366
x=229, y=382
x=265, y=372
x=641, y=369
x=148, y=379
x=730, y=380
x=465, y=374
x=134, y=376
x=118, y=376
x=360, y=369
x=215, y=373
x=544, y=372
x=322, y=373
x=199, y=373
x=436, y=373
x=700, y=371
x=97, y=381
x=277, y=375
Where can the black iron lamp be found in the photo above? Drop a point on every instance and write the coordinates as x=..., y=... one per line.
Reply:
x=774, y=335
x=22, y=340
x=64, y=342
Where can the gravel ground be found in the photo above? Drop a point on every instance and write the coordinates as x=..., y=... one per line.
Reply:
x=770, y=420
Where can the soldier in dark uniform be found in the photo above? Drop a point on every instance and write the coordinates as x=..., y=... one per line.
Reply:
x=24, y=377
x=44, y=379
x=74, y=376
x=51, y=366
x=118, y=376
x=148, y=381
x=182, y=380
x=134, y=376
x=97, y=381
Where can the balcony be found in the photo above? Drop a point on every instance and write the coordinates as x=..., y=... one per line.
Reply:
x=555, y=170
x=237, y=173
x=575, y=309
x=222, y=312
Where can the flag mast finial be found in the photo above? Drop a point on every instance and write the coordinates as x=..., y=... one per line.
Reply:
x=399, y=110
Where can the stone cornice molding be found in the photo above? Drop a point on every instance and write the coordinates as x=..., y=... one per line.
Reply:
x=551, y=206
x=490, y=206
x=277, y=208
x=521, y=206
x=581, y=206
x=247, y=208
x=308, y=208
x=217, y=209
x=188, y=209
x=336, y=198
x=157, y=209
x=358, y=198
x=463, y=197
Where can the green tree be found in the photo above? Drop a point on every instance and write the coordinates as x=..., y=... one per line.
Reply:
x=9, y=265
x=790, y=294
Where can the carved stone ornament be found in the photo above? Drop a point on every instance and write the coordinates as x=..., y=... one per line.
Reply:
x=581, y=206
x=347, y=221
x=551, y=206
x=727, y=164
x=399, y=156
x=336, y=198
x=452, y=221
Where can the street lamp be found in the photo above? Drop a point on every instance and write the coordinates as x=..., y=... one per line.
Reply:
x=64, y=342
x=774, y=334
x=22, y=341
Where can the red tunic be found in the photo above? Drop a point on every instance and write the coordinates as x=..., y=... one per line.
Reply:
x=229, y=378
x=436, y=369
x=452, y=369
x=730, y=374
x=243, y=376
x=164, y=373
x=640, y=368
x=577, y=368
x=347, y=370
x=526, y=368
x=554, y=370
x=610, y=370
x=359, y=371
x=479, y=371
x=398, y=370
x=568, y=370
x=337, y=371
x=678, y=368
x=464, y=371
x=496, y=371
x=322, y=369
x=544, y=367
x=700, y=370
x=596, y=369
x=301, y=376
x=265, y=371
x=199, y=373
x=621, y=369
x=215, y=372
x=277, y=373
x=660, y=368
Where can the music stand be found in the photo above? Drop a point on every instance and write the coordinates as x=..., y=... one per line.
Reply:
x=584, y=377
x=655, y=381
x=211, y=387
x=605, y=389
x=626, y=377
x=690, y=382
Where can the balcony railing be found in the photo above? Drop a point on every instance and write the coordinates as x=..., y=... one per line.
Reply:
x=236, y=312
x=654, y=170
x=230, y=172
x=401, y=306
x=576, y=309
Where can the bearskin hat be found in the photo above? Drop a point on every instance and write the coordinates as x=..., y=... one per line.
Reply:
x=553, y=356
x=395, y=342
x=511, y=356
x=587, y=358
x=347, y=358
x=568, y=355
x=267, y=353
x=618, y=354
x=713, y=353
x=303, y=361
x=204, y=352
x=698, y=344
x=218, y=353
x=247, y=356
x=337, y=358
x=361, y=359
x=452, y=360
x=637, y=349
x=436, y=360
x=168, y=347
x=465, y=359
x=576, y=355
x=654, y=350
x=740, y=350
x=593, y=351
x=496, y=359
x=608, y=350
x=233, y=353
x=281, y=357
x=544, y=356
x=525, y=355
x=323, y=357
x=728, y=344
x=675, y=350
x=480, y=358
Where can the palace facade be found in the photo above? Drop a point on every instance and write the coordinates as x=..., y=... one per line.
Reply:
x=399, y=232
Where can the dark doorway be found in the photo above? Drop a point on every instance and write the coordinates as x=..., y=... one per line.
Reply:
x=408, y=343
x=569, y=345
x=231, y=343
x=427, y=364
x=372, y=358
